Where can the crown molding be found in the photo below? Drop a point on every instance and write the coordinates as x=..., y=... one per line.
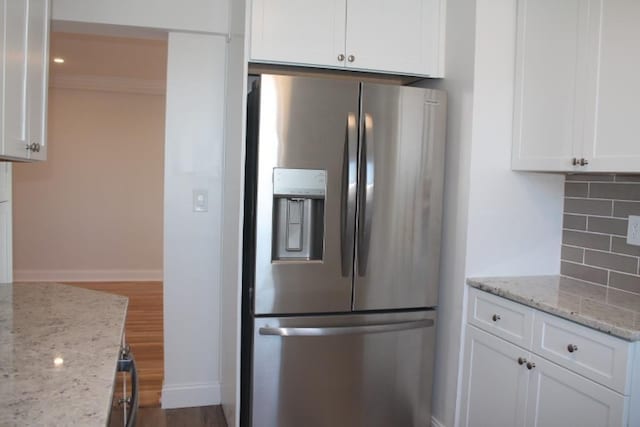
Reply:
x=108, y=84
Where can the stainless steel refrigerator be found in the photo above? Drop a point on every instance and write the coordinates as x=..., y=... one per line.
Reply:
x=342, y=233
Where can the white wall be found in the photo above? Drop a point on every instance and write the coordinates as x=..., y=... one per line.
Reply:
x=193, y=160
x=208, y=16
x=232, y=221
x=459, y=60
x=514, y=218
x=232, y=229
x=93, y=211
x=497, y=222
x=6, y=231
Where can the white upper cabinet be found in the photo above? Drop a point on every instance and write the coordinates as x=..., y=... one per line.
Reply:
x=547, y=63
x=576, y=86
x=400, y=37
x=37, y=76
x=307, y=32
x=611, y=140
x=25, y=69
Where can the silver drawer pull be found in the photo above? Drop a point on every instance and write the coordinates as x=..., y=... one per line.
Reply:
x=496, y=317
x=521, y=360
x=531, y=365
x=345, y=330
x=572, y=348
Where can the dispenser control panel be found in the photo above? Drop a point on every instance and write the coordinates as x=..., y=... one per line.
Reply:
x=305, y=183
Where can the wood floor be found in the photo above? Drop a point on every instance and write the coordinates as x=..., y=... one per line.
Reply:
x=144, y=332
x=204, y=416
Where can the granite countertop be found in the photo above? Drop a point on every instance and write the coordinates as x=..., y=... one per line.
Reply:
x=59, y=348
x=605, y=309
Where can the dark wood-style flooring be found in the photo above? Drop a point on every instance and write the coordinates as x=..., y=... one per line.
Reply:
x=203, y=416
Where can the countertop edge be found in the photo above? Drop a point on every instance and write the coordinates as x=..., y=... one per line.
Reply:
x=115, y=362
x=599, y=325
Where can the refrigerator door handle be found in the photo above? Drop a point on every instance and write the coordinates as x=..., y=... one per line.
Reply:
x=367, y=175
x=349, y=190
x=346, y=330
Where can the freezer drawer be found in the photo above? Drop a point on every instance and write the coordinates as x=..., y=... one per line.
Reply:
x=343, y=370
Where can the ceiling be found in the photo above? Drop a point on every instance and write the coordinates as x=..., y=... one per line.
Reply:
x=89, y=55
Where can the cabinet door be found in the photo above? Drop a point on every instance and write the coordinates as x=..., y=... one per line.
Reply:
x=15, y=84
x=611, y=135
x=548, y=118
x=37, y=76
x=494, y=383
x=402, y=36
x=308, y=32
x=558, y=397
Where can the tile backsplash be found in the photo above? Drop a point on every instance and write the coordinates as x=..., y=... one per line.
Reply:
x=594, y=243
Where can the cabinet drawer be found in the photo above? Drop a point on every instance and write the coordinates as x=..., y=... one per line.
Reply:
x=595, y=355
x=501, y=317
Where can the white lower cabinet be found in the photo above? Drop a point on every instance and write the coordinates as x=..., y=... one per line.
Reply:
x=495, y=388
x=558, y=397
x=509, y=385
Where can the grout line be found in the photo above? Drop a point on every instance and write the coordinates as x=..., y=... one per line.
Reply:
x=621, y=290
x=601, y=199
x=609, y=252
x=582, y=280
x=595, y=216
x=592, y=232
x=573, y=246
x=591, y=266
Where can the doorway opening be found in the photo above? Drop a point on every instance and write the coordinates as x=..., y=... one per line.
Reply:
x=92, y=214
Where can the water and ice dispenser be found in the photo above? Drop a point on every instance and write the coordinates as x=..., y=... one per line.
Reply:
x=298, y=214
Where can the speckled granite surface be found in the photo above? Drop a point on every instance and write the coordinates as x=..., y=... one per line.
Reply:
x=58, y=351
x=605, y=309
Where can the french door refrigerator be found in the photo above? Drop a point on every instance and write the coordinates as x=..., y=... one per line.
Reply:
x=342, y=233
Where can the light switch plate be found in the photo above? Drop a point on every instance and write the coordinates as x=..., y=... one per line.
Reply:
x=200, y=200
x=633, y=232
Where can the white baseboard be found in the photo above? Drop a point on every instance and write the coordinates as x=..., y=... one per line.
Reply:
x=435, y=422
x=189, y=395
x=87, y=275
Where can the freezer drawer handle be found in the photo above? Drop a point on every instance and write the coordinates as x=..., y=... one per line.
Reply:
x=346, y=330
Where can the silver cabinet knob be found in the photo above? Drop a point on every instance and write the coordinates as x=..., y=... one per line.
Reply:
x=572, y=348
x=574, y=161
x=521, y=360
x=351, y=58
x=341, y=57
x=33, y=147
x=584, y=162
x=496, y=317
x=531, y=365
